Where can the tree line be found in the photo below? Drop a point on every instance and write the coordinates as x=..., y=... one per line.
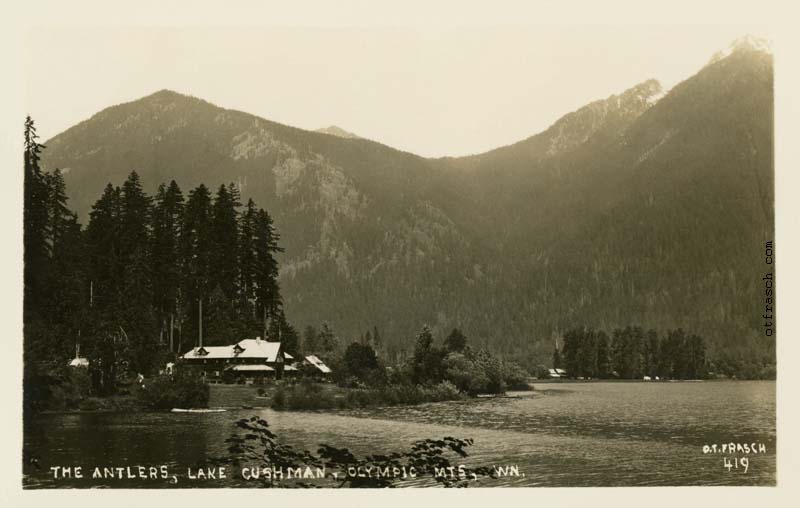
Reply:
x=631, y=353
x=147, y=277
x=470, y=370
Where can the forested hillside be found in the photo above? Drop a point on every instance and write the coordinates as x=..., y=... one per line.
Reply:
x=643, y=208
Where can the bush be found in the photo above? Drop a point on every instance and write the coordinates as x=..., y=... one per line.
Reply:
x=72, y=390
x=167, y=392
x=360, y=362
x=279, y=398
x=466, y=374
x=303, y=396
x=403, y=395
x=444, y=391
x=253, y=439
x=307, y=396
x=91, y=404
x=514, y=376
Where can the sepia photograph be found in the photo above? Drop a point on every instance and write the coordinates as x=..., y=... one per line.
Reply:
x=397, y=255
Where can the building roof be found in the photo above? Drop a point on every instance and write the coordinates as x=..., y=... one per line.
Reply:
x=257, y=348
x=209, y=352
x=79, y=361
x=319, y=364
x=248, y=348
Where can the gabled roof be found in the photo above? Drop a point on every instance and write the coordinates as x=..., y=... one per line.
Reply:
x=257, y=348
x=319, y=364
x=209, y=352
x=248, y=348
x=79, y=361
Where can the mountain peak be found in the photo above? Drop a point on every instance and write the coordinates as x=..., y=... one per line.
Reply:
x=333, y=130
x=577, y=127
x=649, y=91
x=165, y=94
x=745, y=44
x=751, y=43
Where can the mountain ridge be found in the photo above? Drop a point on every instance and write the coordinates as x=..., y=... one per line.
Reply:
x=514, y=245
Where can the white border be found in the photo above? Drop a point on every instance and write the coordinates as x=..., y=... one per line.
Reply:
x=779, y=16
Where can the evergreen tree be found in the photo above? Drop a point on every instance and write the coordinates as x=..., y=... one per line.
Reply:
x=603, y=355
x=587, y=354
x=310, y=340
x=35, y=227
x=697, y=357
x=680, y=354
x=455, y=342
x=224, y=238
x=664, y=360
x=195, y=253
x=165, y=254
x=247, y=263
x=570, y=351
x=360, y=362
x=108, y=352
x=219, y=321
x=627, y=352
x=377, y=342
x=557, y=358
x=290, y=339
x=650, y=354
x=59, y=217
x=103, y=247
x=267, y=289
x=136, y=317
x=69, y=295
x=135, y=219
x=427, y=360
x=328, y=343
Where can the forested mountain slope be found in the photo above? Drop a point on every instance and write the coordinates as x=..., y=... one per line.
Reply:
x=636, y=209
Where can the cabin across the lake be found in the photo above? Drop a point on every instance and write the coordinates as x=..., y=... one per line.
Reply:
x=316, y=367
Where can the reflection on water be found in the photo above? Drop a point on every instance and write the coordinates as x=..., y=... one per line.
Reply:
x=571, y=434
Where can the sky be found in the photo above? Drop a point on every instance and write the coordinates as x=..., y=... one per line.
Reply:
x=433, y=91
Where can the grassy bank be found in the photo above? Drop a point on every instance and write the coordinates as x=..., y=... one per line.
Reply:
x=306, y=395
x=163, y=394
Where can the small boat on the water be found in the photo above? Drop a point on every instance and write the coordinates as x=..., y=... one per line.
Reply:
x=179, y=410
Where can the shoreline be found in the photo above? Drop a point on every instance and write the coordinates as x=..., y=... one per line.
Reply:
x=510, y=394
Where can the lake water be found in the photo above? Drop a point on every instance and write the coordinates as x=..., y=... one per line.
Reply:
x=570, y=434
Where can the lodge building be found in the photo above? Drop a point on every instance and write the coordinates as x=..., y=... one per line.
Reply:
x=249, y=361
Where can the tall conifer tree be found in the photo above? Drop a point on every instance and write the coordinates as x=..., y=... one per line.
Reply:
x=167, y=218
x=195, y=252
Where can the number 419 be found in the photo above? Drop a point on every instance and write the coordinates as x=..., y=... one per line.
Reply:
x=744, y=462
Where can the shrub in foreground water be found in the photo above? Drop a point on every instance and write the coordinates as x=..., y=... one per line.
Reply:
x=428, y=459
